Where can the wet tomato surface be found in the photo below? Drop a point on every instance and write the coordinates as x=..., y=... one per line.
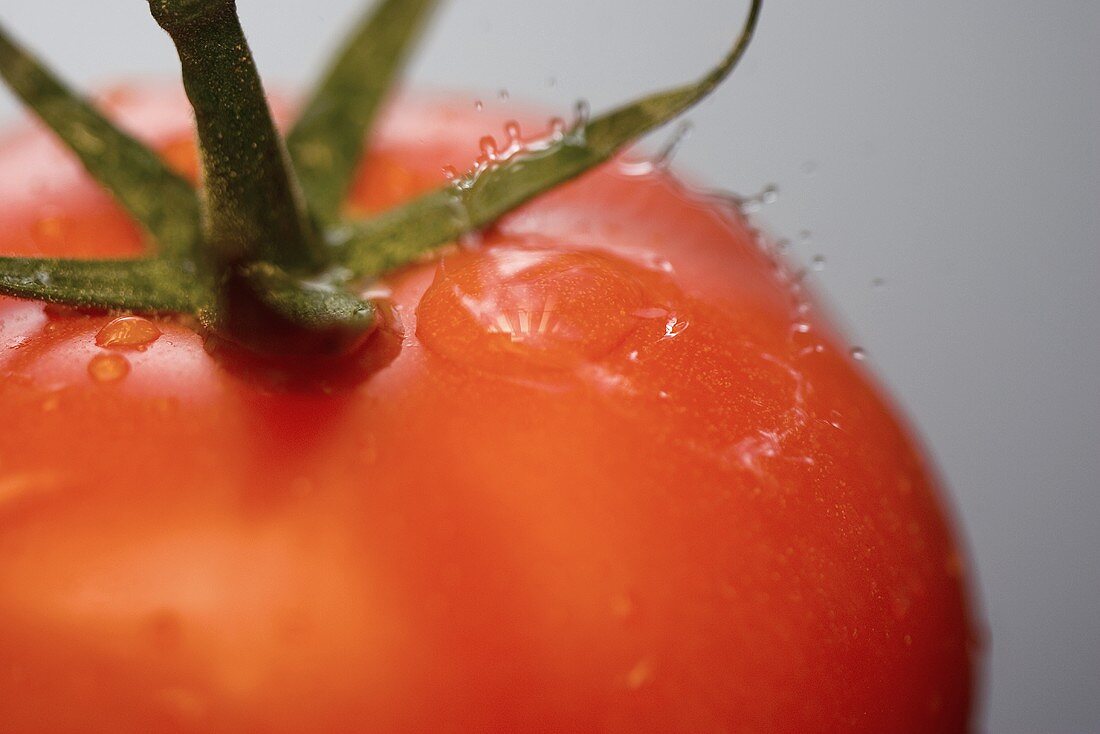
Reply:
x=605, y=469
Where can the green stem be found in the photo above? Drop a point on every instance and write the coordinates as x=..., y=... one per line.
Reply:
x=158, y=198
x=327, y=141
x=254, y=209
x=145, y=286
x=407, y=232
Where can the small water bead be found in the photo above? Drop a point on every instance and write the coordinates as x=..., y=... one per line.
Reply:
x=128, y=332
x=450, y=173
x=878, y=283
x=818, y=263
x=512, y=130
x=107, y=368
x=858, y=354
x=504, y=95
x=479, y=105
x=770, y=194
x=48, y=231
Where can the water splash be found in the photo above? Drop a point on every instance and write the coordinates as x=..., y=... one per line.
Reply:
x=662, y=161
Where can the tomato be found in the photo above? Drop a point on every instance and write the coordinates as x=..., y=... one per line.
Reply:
x=605, y=469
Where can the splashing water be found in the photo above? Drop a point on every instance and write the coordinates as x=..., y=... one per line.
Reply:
x=663, y=160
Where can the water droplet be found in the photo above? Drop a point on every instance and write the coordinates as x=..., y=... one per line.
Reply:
x=515, y=306
x=450, y=173
x=818, y=263
x=858, y=353
x=504, y=95
x=770, y=194
x=512, y=132
x=479, y=105
x=128, y=332
x=805, y=236
x=622, y=606
x=878, y=283
x=47, y=231
x=108, y=367
x=639, y=675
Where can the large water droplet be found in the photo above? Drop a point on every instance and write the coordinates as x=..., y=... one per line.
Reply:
x=514, y=306
x=858, y=353
x=128, y=332
x=108, y=368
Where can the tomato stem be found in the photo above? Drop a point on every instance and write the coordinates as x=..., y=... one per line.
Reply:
x=159, y=199
x=327, y=141
x=253, y=206
x=262, y=270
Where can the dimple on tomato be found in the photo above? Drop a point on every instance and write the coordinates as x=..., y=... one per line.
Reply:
x=602, y=468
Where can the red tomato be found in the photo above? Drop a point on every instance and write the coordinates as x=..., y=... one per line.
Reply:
x=605, y=471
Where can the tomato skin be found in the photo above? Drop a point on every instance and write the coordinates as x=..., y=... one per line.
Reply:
x=686, y=512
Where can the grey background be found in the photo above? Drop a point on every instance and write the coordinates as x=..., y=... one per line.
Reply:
x=949, y=148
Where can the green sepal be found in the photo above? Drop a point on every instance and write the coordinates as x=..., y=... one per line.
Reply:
x=159, y=199
x=143, y=286
x=267, y=309
x=482, y=197
x=326, y=143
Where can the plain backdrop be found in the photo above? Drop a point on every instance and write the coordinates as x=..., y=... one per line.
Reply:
x=948, y=148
